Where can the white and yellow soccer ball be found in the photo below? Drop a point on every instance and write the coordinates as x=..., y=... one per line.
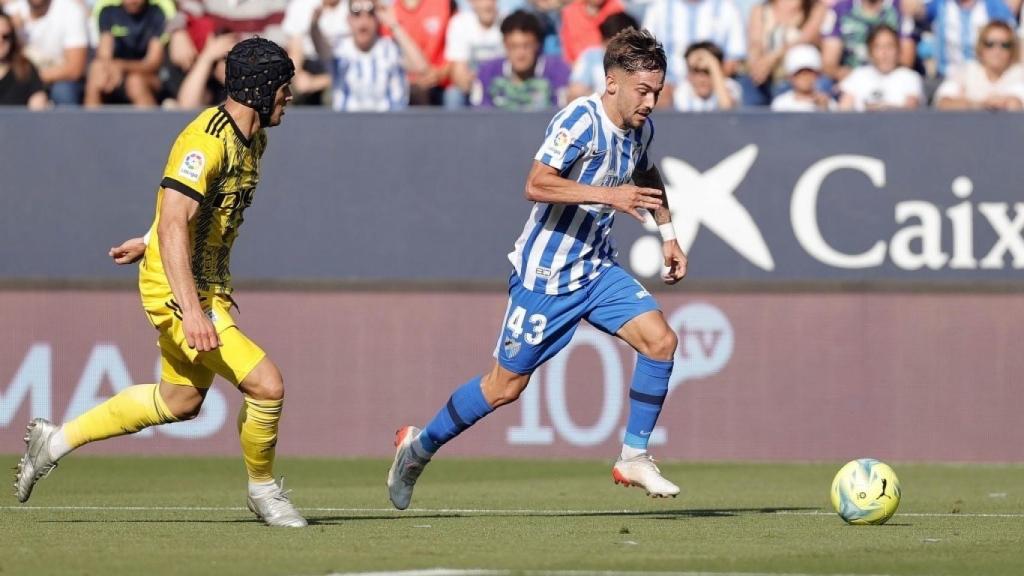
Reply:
x=866, y=491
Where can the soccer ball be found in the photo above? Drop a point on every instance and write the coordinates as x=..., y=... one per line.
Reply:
x=866, y=491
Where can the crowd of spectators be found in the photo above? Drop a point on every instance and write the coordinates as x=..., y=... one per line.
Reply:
x=379, y=55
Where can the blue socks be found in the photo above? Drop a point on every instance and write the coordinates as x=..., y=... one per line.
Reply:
x=646, y=396
x=465, y=407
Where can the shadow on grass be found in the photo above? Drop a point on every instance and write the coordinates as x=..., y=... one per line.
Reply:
x=416, y=516
x=646, y=514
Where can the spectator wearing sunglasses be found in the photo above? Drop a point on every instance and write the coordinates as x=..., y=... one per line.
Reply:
x=706, y=88
x=994, y=82
x=882, y=84
x=956, y=25
x=370, y=71
x=19, y=81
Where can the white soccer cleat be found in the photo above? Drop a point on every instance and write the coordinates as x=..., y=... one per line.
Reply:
x=275, y=509
x=36, y=464
x=641, y=471
x=406, y=468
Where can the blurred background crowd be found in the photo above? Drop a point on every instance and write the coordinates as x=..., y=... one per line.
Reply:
x=379, y=55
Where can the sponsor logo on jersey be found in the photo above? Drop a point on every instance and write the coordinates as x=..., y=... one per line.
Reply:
x=543, y=272
x=192, y=166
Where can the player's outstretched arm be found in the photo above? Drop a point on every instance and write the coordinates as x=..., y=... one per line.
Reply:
x=544, y=184
x=675, y=258
x=176, y=209
x=128, y=252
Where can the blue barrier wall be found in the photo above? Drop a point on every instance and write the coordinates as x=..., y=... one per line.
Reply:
x=765, y=198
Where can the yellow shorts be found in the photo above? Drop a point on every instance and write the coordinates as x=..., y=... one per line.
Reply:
x=179, y=364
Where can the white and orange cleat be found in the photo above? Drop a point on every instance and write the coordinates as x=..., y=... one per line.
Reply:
x=406, y=468
x=641, y=471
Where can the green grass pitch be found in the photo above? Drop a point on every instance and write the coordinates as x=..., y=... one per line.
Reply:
x=154, y=516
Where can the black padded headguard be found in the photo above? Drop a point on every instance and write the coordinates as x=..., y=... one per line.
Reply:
x=257, y=67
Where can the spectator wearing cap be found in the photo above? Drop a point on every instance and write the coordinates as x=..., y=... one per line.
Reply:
x=994, y=82
x=19, y=82
x=315, y=29
x=882, y=84
x=369, y=71
x=581, y=21
x=524, y=79
x=474, y=36
x=705, y=88
x=588, y=74
x=803, y=66
x=773, y=27
x=847, y=26
x=54, y=36
x=129, y=54
x=955, y=25
x=426, y=22
x=680, y=23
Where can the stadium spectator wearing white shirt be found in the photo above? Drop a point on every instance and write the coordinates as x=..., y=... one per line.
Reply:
x=994, y=82
x=369, y=72
x=706, y=88
x=803, y=66
x=474, y=36
x=315, y=29
x=882, y=84
x=54, y=34
x=588, y=72
x=680, y=23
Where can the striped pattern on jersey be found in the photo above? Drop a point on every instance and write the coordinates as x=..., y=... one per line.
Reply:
x=371, y=81
x=563, y=247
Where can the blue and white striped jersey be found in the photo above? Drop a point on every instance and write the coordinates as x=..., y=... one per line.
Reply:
x=565, y=246
x=371, y=81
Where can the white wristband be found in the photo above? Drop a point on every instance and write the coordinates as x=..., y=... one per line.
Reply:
x=668, y=232
x=145, y=239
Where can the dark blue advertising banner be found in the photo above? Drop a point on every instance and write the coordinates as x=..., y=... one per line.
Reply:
x=888, y=199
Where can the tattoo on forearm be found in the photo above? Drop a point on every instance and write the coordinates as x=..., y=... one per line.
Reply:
x=652, y=179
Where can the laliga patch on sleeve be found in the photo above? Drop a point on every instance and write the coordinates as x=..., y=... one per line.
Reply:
x=560, y=142
x=192, y=166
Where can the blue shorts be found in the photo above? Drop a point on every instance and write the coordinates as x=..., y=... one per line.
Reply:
x=537, y=326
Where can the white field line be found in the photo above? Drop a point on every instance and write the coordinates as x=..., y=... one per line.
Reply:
x=412, y=512
x=480, y=572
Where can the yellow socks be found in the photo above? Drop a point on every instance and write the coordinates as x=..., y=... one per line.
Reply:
x=257, y=429
x=131, y=410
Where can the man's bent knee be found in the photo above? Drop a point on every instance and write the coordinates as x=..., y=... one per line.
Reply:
x=663, y=346
x=184, y=402
x=503, y=387
x=264, y=382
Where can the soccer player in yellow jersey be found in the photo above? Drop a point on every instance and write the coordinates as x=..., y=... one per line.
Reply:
x=185, y=284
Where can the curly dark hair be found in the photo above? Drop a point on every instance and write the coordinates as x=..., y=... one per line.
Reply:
x=523, y=21
x=635, y=50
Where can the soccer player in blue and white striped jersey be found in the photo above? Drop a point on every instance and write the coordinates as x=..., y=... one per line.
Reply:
x=595, y=161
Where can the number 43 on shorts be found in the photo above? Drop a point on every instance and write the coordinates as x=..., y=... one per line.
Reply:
x=537, y=322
